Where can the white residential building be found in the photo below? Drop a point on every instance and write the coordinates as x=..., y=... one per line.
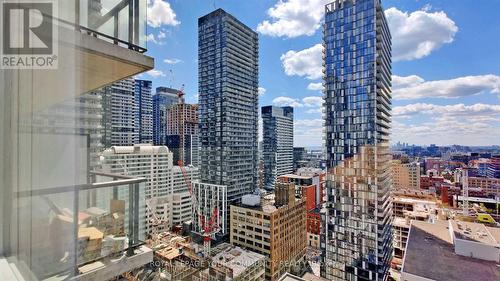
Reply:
x=181, y=197
x=167, y=195
x=153, y=163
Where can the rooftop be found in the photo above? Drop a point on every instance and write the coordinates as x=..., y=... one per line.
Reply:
x=136, y=149
x=433, y=240
x=472, y=232
x=266, y=204
x=294, y=176
x=237, y=259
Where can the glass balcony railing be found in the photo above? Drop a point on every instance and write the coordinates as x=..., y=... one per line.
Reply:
x=122, y=22
x=73, y=230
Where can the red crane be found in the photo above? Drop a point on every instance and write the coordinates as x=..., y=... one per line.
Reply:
x=207, y=222
x=181, y=94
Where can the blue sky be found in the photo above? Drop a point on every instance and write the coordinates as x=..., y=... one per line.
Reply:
x=446, y=62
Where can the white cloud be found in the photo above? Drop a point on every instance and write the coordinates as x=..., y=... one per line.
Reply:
x=161, y=34
x=309, y=122
x=151, y=38
x=456, y=110
x=415, y=35
x=172, y=61
x=154, y=39
x=156, y=73
x=315, y=86
x=262, y=91
x=308, y=132
x=307, y=62
x=414, y=87
x=422, y=123
x=292, y=18
x=160, y=13
x=312, y=101
x=286, y=101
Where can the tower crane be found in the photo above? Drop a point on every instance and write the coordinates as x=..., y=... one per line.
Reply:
x=207, y=222
x=181, y=94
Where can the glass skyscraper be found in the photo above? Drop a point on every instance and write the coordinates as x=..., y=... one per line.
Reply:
x=277, y=128
x=228, y=71
x=356, y=238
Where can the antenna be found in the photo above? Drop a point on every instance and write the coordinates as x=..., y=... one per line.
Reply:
x=215, y=6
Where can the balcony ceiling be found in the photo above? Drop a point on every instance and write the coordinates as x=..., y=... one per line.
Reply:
x=85, y=63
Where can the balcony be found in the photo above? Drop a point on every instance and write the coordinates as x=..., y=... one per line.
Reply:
x=98, y=42
x=83, y=232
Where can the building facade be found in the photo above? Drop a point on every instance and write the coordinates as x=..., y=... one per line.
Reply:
x=181, y=196
x=182, y=132
x=120, y=108
x=162, y=100
x=144, y=114
x=357, y=235
x=153, y=163
x=494, y=167
x=299, y=157
x=405, y=175
x=210, y=199
x=277, y=125
x=228, y=58
x=277, y=231
x=490, y=186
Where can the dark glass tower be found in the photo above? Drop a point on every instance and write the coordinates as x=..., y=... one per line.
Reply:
x=277, y=128
x=144, y=115
x=228, y=71
x=357, y=234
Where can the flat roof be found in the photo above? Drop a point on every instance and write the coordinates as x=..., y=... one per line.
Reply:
x=430, y=254
x=403, y=199
x=294, y=176
x=237, y=259
x=472, y=232
x=495, y=232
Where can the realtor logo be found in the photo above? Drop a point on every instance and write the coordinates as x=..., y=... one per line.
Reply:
x=29, y=34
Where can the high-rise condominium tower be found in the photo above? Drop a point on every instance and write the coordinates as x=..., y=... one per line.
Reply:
x=119, y=120
x=277, y=143
x=356, y=237
x=228, y=57
x=144, y=114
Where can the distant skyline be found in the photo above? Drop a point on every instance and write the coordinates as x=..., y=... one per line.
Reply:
x=446, y=66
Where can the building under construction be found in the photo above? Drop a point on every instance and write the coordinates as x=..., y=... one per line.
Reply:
x=182, y=132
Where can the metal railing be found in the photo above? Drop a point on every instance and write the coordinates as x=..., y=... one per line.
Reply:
x=85, y=16
x=83, y=208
